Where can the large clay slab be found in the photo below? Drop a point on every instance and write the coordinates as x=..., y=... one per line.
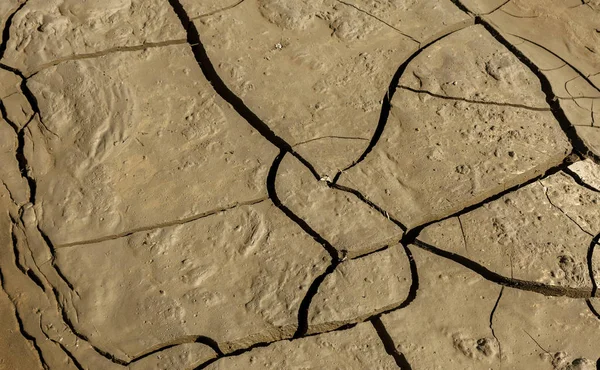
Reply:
x=440, y=154
x=315, y=69
x=45, y=31
x=355, y=348
x=350, y=225
x=237, y=277
x=133, y=140
x=546, y=333
x=447, y=326
x=541, y=232
x=361, y=288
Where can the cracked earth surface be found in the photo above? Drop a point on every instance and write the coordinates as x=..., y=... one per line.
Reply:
x=278, y=184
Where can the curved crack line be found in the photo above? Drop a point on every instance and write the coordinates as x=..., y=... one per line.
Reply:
x=559, y=114
x=545, y=189
x=330, y=137
x=272, y=191
x=386, y=104
x=519, y=16
x=581, y=74
x=590, y=262
x=495, y=9
x=409, y=299
x=499, y=104
x=219, y=86
x=6, y=30
x=492, y=325
x=531, y=286
x=380, y=20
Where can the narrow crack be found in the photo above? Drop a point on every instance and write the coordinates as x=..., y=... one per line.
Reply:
x=162, y=225
x=386, y=104
x=561, y=210
x=531, y=286
x=364, y=199
x=462, y=231
x=551, y=99
x=25, y=271
x=581, y=74
x=199, y=339
x=380, y=20
x=536, y=342
x=67, y=352
x=30, y=338
x=219, y=86
x=590, y=262
x=579, y=180
x=492, y=325
x=214, y=12
x=117, y=49
x=330, y=137
x=495, y=9
x=410, y=298
x=388, y=344
x=271, y=189
x=513, y=105
x=519, y=16
x=304, y=309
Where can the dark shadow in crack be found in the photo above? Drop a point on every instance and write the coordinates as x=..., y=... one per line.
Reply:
x=210, y=73
x=388, y=344
x=386, y=104
x=531, y=286
x=6, y=30
x=590, y=261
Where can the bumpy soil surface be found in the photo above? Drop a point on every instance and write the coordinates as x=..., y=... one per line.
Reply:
x=300, y=184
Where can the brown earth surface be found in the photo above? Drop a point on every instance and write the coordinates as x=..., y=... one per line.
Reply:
x=278, y=184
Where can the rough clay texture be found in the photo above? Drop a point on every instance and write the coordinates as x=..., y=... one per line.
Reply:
x=541, y=232
x=278, y=184
x=355, y=348
x=439, y=154
x=312, y=69
x=361, y=288
x=351, y=226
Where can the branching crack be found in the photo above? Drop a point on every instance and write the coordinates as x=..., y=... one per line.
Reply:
x=561, y=210
x=499, y=104
x=387, y=99
x=330, y=137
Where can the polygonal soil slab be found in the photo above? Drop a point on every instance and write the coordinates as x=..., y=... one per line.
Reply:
x=468, y=121
x=360, y=288
x=316, y=69
x=356, y=348
x=237, y=277
x=546, y=333
x=447, y=326
x=350, y=225
x=134, y=140
x=44, y=32
x=541, y=233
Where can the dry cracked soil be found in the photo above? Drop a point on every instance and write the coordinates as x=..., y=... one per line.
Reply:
x=300, y=184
